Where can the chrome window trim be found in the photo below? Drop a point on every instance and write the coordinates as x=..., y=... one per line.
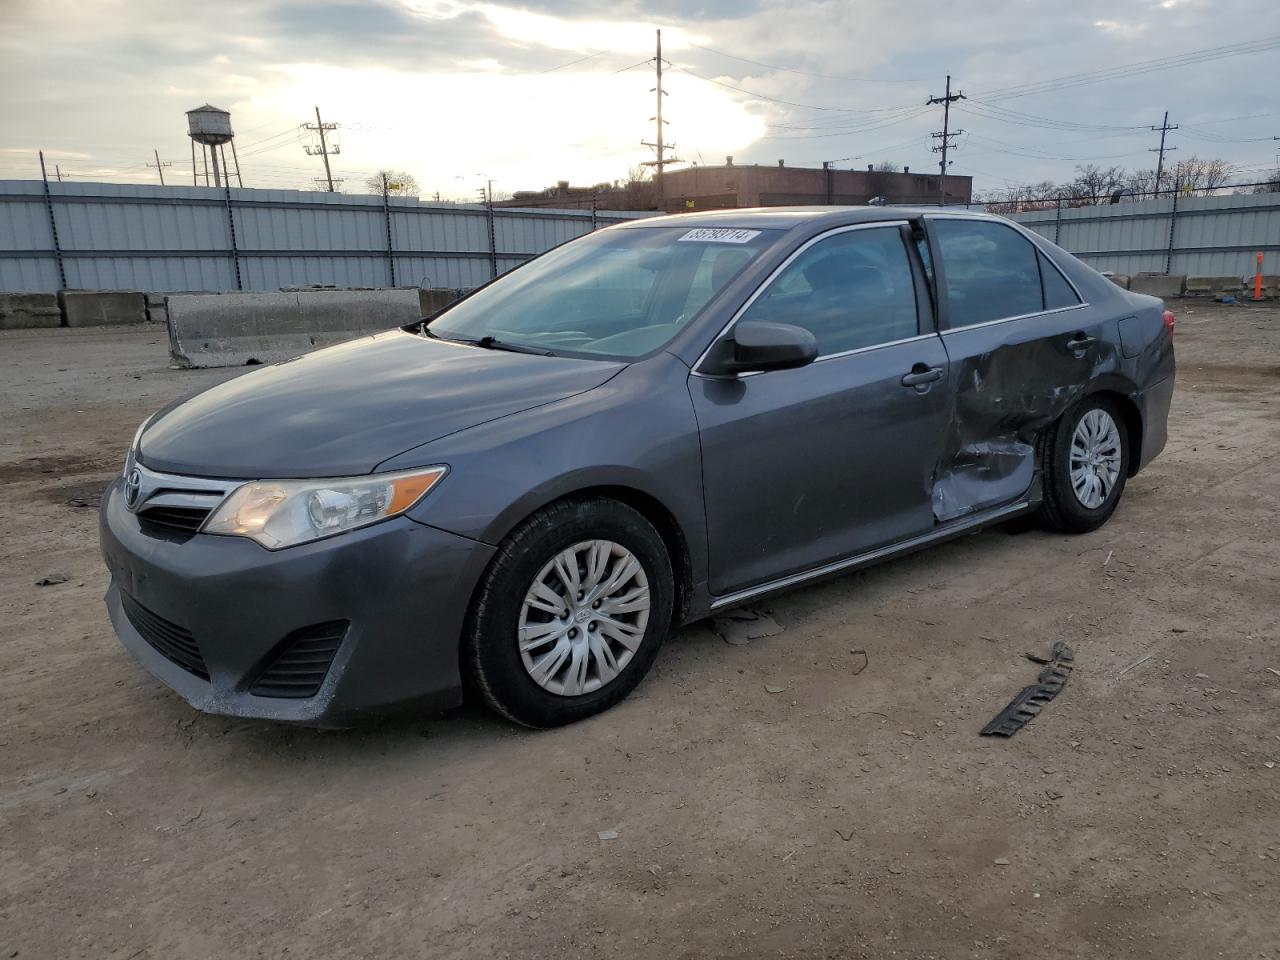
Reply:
x=1021, y=316
x=768, y=282
x=1031, y=237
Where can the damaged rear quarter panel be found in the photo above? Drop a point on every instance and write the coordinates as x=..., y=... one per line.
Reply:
x=1011, y=379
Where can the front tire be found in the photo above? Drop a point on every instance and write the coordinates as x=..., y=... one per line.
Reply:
x=1084, y=456
x=569, y=616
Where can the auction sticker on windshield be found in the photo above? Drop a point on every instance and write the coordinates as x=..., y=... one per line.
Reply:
x=720, y=235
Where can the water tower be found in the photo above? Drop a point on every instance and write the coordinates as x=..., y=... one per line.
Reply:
x=211, y=128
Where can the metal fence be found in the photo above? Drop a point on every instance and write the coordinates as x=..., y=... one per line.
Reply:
x=1196, y=236
x=166, y=239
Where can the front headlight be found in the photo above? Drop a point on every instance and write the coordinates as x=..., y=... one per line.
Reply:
x=284, y=513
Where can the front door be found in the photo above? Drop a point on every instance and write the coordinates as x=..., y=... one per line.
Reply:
x=802, y=467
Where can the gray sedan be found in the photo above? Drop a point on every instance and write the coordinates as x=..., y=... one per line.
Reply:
x=525, y=494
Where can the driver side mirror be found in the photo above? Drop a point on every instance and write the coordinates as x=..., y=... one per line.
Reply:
x=756, y=345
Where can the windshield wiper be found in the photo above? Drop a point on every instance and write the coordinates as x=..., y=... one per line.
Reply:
x=489, y=342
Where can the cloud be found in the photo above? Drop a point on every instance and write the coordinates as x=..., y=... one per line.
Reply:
x=535, y=92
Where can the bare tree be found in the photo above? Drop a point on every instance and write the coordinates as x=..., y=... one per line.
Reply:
x=1196, y=174
x=886, y=166
x=399, y=183
x=1093, y=185
x=639, y=190
x=1271, y=184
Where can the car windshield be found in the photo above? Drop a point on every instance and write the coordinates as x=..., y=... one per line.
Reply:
x=616, y=293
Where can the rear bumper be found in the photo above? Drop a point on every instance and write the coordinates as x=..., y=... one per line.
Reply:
x=401, y=588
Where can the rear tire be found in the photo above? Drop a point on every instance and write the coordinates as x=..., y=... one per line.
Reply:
x=1084, y=458
x=536, y=653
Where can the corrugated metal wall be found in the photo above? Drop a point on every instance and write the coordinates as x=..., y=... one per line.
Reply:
x=168, y=239
x=1205, y=236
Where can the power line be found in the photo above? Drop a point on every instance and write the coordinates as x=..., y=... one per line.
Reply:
x=1259, y=45
x=802, y=73
x=945, y=136
x=788, y=103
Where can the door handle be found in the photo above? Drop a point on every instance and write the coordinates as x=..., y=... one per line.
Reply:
x=1080, y=341
x=921, y=374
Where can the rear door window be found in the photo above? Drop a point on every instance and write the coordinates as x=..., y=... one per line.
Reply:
x=991, y=271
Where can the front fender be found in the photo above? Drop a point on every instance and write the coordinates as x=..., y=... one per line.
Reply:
x=637, y=431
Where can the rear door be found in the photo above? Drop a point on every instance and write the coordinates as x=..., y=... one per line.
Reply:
x=805, y=466
x=1022, y=348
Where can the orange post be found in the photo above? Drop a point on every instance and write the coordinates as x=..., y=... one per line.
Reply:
x=1257, y=279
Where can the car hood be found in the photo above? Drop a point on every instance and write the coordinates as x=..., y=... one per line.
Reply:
x=343, y=410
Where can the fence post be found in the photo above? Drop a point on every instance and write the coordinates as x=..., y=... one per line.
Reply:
x=1057, y=221
x=594, y=221
x=493, y=248
x=1173, y=223
x=53, y=226
x=231, y=228
x=386, y=213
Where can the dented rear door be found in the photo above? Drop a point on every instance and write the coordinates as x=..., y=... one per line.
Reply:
x=1022, y=348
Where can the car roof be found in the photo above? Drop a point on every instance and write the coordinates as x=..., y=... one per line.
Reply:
x=785, y=218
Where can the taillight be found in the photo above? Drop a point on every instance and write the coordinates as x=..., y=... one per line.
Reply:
x=1169, y=321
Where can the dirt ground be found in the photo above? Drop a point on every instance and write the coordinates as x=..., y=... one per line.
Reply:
x=852, y=814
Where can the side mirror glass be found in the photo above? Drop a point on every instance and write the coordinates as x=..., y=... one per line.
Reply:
x=755, y=345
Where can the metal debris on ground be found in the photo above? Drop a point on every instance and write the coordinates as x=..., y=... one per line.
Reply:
x=1031, y=699
x=739, y=627
x=50, y=580
x=866, y=661
x=1136, y=663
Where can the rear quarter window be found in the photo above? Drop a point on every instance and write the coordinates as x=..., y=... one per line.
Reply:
x=1058, y=293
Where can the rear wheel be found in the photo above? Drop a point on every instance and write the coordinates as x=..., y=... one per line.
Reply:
x=570, y=615
x=1085, y=461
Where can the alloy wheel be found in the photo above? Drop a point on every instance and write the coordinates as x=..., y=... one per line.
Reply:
x=1095, y=458
x=583, y=617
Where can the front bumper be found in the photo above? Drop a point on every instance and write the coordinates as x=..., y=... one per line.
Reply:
x=401, y=587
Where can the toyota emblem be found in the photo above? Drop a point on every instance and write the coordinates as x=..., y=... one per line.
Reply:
x=132, y=487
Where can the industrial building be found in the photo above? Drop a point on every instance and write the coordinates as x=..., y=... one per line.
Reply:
x=731, y=185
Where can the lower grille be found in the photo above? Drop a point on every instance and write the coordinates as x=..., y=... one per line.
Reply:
x=168, y=639
x=179, y=518
x=302, y=663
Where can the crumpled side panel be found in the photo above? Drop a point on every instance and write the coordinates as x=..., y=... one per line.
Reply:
x=1011, y=380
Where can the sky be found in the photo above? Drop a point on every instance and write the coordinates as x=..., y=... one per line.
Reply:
x=459, y=93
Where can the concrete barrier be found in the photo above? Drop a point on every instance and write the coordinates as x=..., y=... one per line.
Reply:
x=233, y=329
x=1119, y=279
x=23, y=310
x=100, y=308
x=1214, y=286
x=1164, y=285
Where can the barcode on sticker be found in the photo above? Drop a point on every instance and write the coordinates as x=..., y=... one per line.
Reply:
x=719, y=235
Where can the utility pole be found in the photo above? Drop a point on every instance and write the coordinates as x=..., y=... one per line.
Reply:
x=1164, y=128
x=945, y=136
x=58, y=170
x=660, y=147
x=160, y=166
x=323, y=150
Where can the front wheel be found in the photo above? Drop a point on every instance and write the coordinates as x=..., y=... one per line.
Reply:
x=570, y=614
x=1085, y=461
